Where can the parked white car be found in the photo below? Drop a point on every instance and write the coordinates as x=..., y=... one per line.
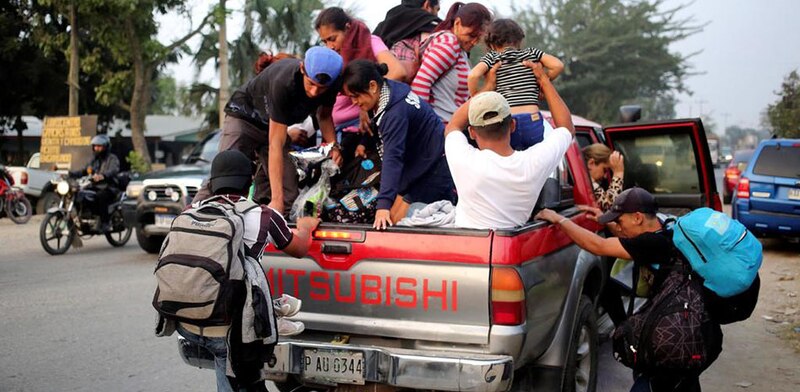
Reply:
x=36, y=184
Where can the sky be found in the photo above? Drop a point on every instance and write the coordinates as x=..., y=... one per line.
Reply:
x=746, y=49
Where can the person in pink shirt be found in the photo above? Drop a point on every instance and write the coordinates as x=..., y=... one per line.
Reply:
x=352, y=39
x=444, y=67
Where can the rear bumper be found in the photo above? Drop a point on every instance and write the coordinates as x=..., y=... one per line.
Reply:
x=414, y=369
x=769, y=223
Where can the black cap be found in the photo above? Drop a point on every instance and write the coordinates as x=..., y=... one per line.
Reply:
x=632, y=200
x=231, y=169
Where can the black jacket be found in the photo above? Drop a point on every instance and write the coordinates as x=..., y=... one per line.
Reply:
x=403, y=22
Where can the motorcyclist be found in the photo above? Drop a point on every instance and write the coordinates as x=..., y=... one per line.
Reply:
x=103, y=169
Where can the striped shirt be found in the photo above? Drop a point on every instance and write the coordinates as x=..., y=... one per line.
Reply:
x=515, y=82
x=262, y=226
x=442, y=76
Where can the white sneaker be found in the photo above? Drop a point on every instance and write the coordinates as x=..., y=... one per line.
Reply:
x=289, y=327
x=286, y=305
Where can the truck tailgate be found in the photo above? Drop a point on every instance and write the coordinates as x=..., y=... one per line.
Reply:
x=403, y=283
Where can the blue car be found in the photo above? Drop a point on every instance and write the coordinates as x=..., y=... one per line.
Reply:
x=767, y=198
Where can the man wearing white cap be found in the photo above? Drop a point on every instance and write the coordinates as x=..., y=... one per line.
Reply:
x=497, y=186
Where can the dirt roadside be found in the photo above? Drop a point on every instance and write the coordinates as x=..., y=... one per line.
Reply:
x=763, y=353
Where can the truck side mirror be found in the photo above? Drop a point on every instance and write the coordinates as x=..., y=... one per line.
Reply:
x=630, y=113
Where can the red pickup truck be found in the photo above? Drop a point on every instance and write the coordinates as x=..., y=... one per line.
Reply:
x=474, y=310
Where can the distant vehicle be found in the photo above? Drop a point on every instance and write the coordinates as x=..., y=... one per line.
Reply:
x=767, y=199
x=713, y=149
x=13, y=202
x=733, y=172
x=155, y=198
x=725, y=155
x=36, y=183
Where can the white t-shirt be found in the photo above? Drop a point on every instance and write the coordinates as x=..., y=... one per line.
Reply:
x=496, y=192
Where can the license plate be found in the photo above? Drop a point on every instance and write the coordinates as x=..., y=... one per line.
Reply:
x=794, y=194
x=333, y=365
x=164, y=220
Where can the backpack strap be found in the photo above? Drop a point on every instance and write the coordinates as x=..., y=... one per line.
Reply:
x=634, y=288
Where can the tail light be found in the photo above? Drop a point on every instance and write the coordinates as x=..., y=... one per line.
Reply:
x=508, y=297
x=732, y=174
x=23, y=178
x=339, y=235
x=743, y=189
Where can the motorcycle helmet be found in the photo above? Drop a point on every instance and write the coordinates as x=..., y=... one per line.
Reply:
x=101, y=140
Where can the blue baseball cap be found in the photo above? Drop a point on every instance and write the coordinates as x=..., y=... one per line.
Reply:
x=323, y=65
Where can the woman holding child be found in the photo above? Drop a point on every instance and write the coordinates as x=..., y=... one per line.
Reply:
x=411, y=141
x=444, y=67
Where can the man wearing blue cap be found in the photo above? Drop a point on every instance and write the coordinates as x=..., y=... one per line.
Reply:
x=258, y=115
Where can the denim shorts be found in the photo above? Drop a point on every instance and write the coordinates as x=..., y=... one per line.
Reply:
x=529, y=131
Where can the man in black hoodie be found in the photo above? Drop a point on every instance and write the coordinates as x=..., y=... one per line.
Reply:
x=404, y=29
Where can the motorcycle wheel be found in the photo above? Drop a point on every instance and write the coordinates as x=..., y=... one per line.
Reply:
x=56, y=229
x=118, y=238
x=19, y=210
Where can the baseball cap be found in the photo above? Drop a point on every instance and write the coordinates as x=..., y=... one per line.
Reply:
x=632, y=200
x=322, y=65
x=488, y=108
x=230, y=169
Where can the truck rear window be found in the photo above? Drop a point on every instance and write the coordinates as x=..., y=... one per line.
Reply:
x=778, y=162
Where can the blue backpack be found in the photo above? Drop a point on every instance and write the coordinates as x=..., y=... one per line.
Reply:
x=726, y=256
x=721, y=250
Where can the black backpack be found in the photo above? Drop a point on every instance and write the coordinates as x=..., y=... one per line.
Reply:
x=674, y=330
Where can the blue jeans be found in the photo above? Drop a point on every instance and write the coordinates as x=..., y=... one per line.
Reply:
x=529, y=131
x=219, y=348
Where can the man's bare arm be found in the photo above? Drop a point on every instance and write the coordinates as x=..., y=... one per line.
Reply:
x=558, y=109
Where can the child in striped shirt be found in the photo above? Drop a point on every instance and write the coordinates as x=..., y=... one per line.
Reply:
x=515, y=81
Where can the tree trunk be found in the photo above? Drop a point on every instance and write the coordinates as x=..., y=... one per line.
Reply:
x=224, y=83
x=140, y=99
x=72, y=79
x=139, y=104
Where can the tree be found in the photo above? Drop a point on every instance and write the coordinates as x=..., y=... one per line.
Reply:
x=166, y=96
x=614, y=51
x=128, y=30
x=32, y=74
x=784, y=115
x=269, y=25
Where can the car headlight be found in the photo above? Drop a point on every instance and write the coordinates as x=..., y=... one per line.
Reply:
x=62, y=188
x=134, y=190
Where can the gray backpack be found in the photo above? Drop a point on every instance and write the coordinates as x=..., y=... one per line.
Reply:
x=200, y=271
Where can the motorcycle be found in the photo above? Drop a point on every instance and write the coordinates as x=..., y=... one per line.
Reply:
x=13, y=202
x=73, y=219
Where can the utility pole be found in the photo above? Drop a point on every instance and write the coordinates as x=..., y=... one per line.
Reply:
x=72, y=78
x=224, y=82
x=701, y=102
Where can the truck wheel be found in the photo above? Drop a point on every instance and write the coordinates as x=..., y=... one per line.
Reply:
x=580, y=374
x=149, y=243
x=46, y=201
